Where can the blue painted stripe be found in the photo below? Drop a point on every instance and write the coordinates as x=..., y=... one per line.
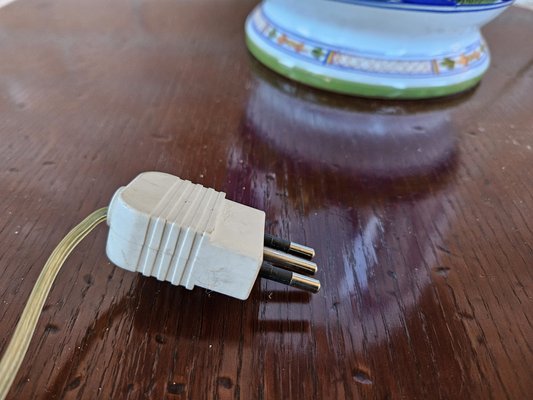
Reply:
x=448, y=3
x=430, y=8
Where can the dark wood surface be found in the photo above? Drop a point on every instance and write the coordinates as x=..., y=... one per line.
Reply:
x=421, y=213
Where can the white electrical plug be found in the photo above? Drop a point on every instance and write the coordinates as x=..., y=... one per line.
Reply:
x=179, y=232
x=189, y=235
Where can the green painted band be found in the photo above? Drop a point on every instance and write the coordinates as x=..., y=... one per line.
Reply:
x=356, y=88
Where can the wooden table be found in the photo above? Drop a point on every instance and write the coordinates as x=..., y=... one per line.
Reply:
x=421, y=213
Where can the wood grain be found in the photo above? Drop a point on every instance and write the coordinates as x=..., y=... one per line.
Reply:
x=421, y=213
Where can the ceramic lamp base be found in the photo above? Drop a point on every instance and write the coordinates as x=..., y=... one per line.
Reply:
x=437, y=67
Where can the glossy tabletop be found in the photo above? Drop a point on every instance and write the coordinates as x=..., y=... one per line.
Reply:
x=421, y=213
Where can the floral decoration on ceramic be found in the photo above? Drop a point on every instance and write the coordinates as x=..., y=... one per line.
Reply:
x=323, y=54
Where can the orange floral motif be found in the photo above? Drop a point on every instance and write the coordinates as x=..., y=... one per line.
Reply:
x=476, y=55
x=462, y=60
x=297, y=46
x=446, y=64
x=468, y=58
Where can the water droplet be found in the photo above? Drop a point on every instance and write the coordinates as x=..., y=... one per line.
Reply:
x=443, y=271
x=51, y=328
x=176, y=388
x=73, y=384
x=362, y=377
x=88, y=279
x=225, y=382
x=160, y=339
